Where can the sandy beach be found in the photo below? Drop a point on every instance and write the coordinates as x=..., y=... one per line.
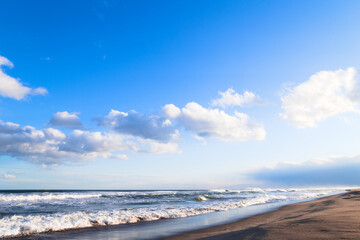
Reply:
x=332, y=217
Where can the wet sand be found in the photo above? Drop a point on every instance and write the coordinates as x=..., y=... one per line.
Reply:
x=333, y=217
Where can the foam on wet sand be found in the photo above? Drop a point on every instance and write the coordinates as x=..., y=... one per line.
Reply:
x=332, y=217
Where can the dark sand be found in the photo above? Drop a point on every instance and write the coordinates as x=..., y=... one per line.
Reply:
x=333, y=217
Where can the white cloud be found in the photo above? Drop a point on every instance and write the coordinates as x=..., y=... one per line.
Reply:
x=231, y=98
x=11, y=87
x=325, y=94
x=91, y=145
x=136, y=124
x=171, y=111
x=39, y=91
x=28, y=142
x=215, y=123
x=151, y=146
x=66, y=119
x=50, y=146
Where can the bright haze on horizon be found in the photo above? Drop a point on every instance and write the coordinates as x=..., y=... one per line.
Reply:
x=179, y=94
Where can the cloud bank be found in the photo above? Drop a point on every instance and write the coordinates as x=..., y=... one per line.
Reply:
x=332, y=171
x=50, y=146
x=12, y=88
x=325, y=94
x=127, y=132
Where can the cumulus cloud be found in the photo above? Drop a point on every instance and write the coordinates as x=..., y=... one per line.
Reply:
x=171, y=111
x=50, y=146
x=28, y=142
x=96, y=144
x=140, y=125
x=66, y=119
x=215, y=123
x=11, y=87
x=124, y=132
x=325, y=94
x=231, y=98
x=319, y=172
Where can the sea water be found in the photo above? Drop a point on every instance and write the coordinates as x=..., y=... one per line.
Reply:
x=30, y=212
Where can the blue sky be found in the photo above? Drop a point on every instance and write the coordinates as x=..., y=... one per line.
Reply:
x=206, y=94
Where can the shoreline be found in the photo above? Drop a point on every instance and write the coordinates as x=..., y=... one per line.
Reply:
x=331, y=217
x=167, y=228
x=151, y=230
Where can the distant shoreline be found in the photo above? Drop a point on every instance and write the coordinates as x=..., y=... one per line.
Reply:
x=331, y=217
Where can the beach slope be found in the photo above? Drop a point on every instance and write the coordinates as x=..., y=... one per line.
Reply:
x=333, y=217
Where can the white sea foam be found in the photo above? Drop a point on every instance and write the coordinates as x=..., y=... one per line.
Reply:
x=44, y=197
x=62, y=196
x=201, y=198
x=16, y=225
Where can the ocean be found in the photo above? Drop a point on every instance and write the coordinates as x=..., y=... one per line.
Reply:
x=36, y=211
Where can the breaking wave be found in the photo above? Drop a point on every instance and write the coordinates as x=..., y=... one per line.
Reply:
x=131, y=206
